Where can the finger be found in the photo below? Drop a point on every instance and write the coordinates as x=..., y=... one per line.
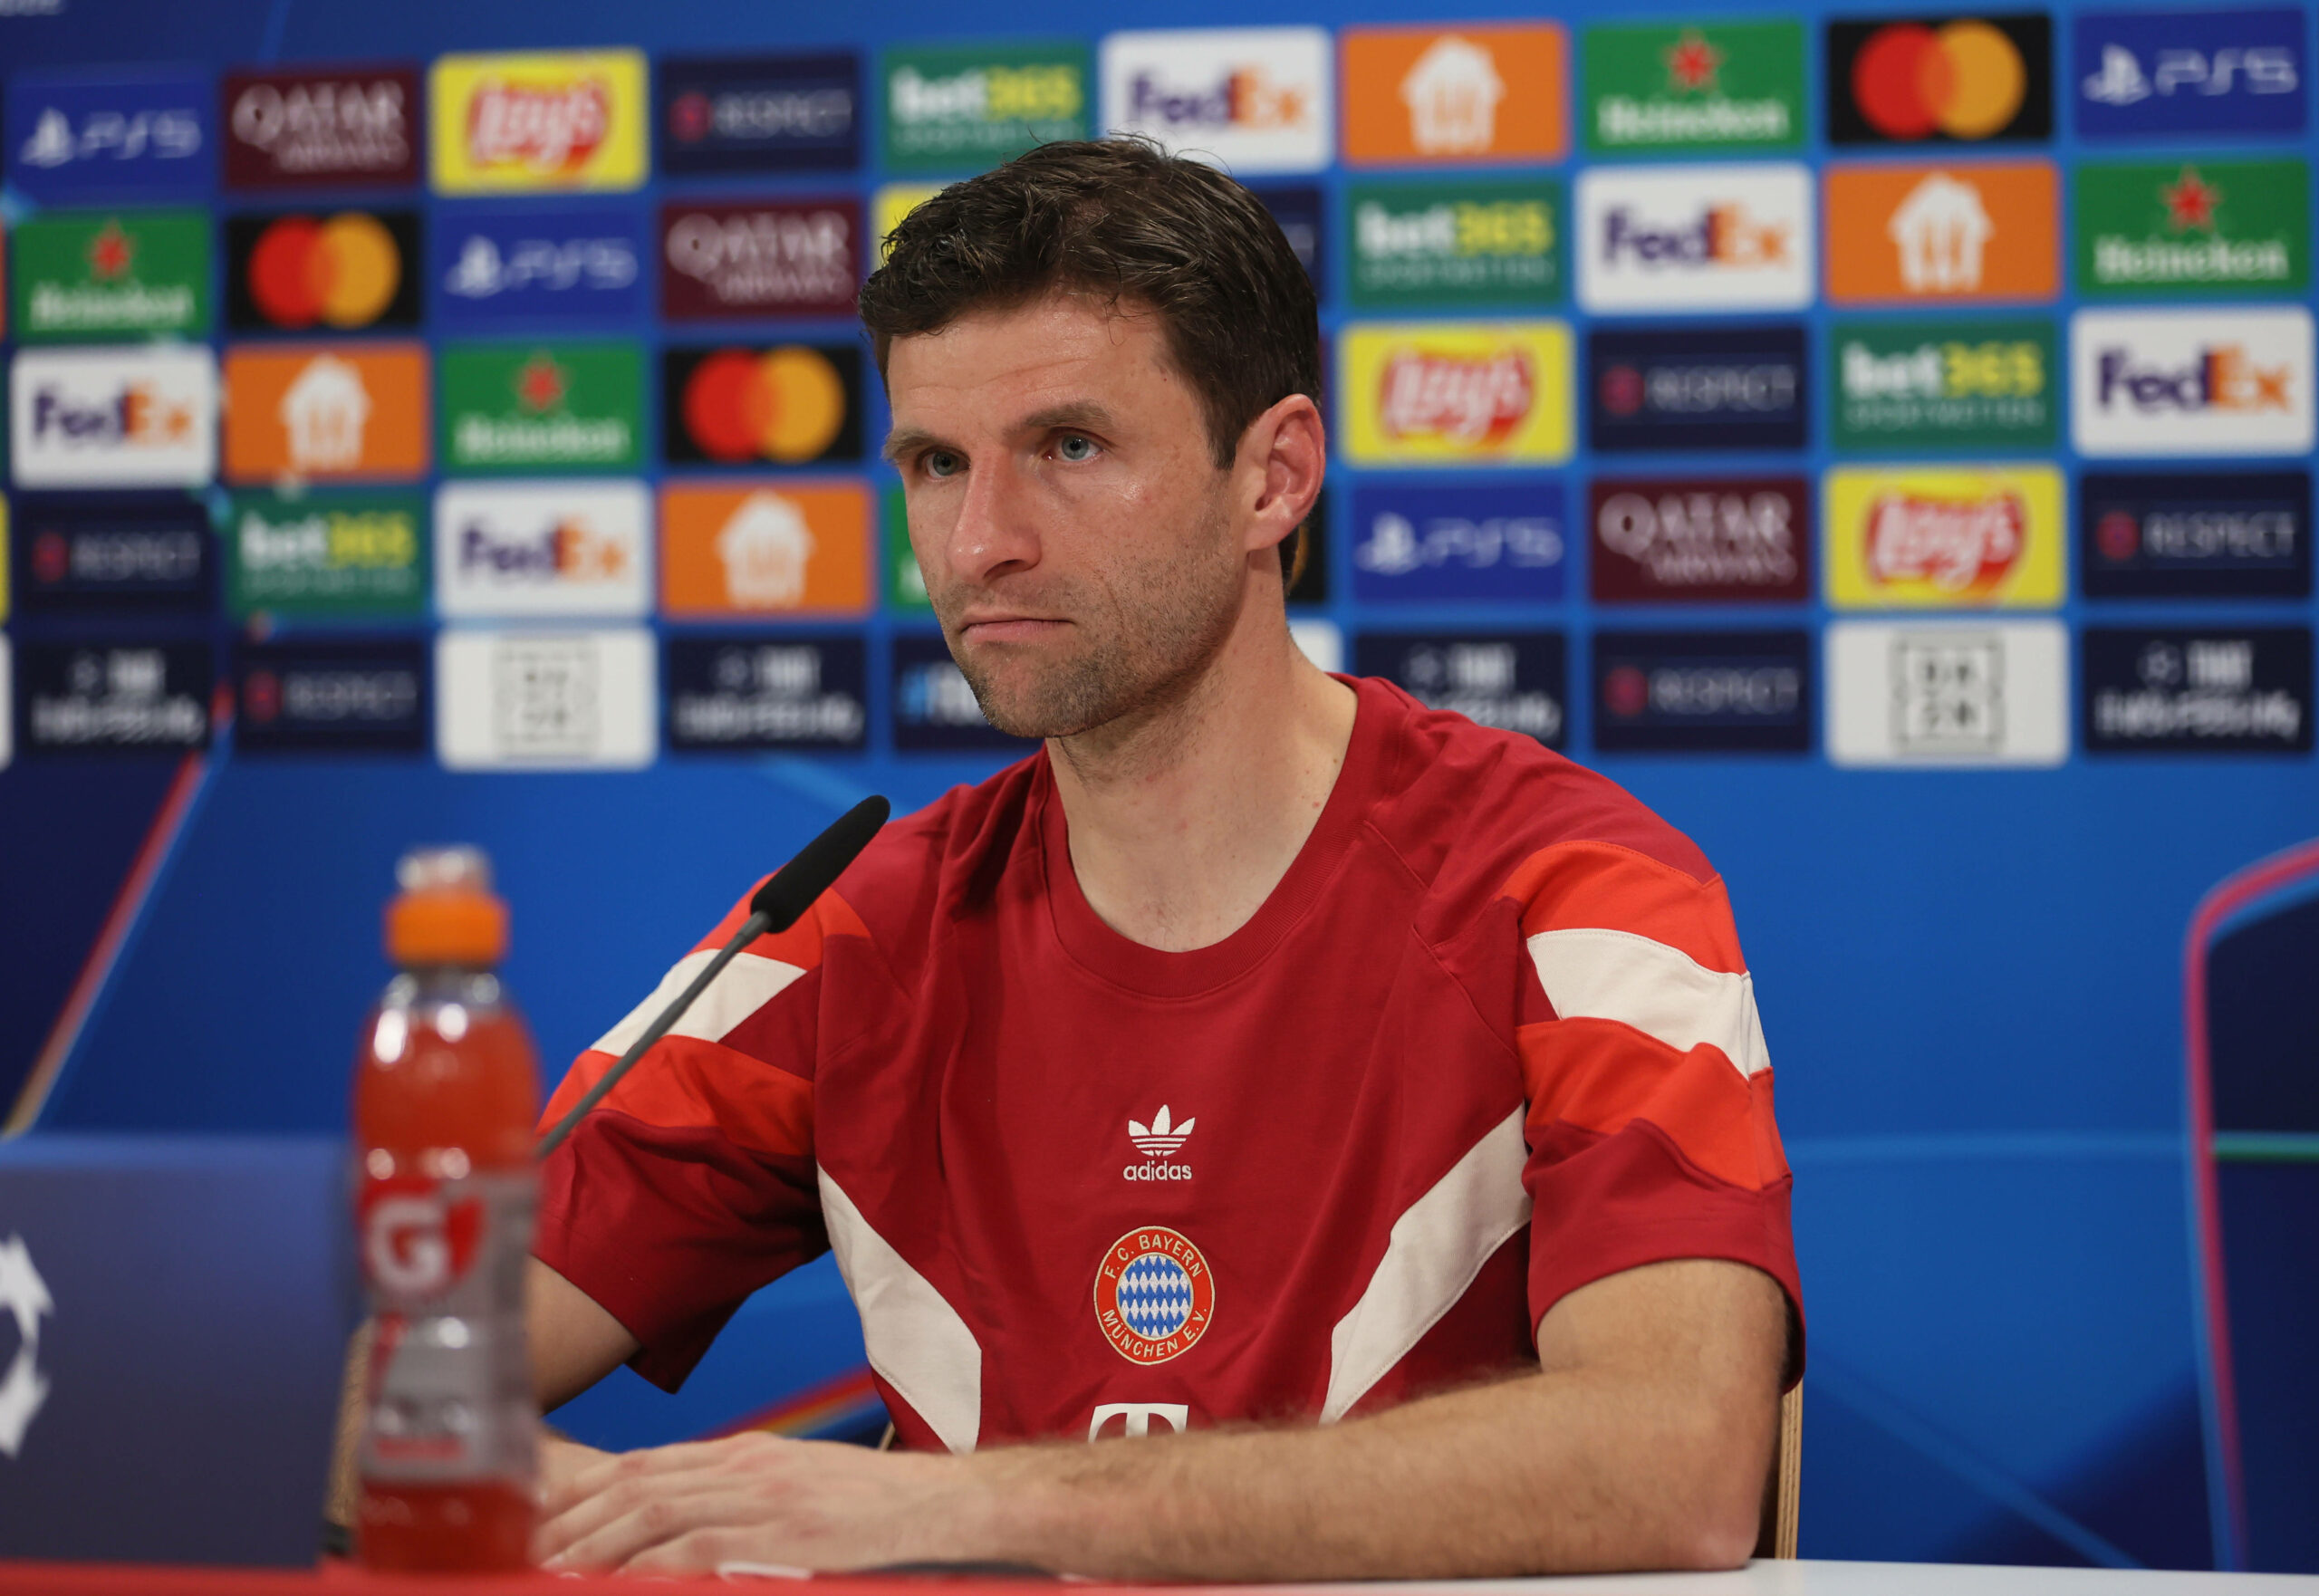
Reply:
x=559, y=1531
x=598, y=1474
x=695, y=1552
x=654, y=1522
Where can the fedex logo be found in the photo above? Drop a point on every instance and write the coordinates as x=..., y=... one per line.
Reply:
x=140, y=416
x=2158, y=73
x=1254, y=98
x=96, y=138
x=1674, y=239
x=2192, y=382
x=552, y=548
x=101, y=418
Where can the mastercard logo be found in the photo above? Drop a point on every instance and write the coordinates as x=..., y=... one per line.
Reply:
x=344, y=272
x=786, y=404
x=1964, y=79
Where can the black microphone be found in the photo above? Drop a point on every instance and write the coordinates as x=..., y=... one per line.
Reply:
x=776, y=906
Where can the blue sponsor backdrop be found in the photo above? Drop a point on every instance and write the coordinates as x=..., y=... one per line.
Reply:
x=1974, y=982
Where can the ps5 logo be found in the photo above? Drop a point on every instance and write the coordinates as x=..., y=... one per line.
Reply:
x=108, y=135
x=2122, y=81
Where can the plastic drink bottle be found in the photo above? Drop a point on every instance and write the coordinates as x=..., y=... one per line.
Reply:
x=446, y=1094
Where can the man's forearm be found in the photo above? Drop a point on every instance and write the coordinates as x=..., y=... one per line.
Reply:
x=1546, y=1473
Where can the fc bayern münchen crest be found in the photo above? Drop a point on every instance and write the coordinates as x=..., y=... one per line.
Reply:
x=1154, y=1295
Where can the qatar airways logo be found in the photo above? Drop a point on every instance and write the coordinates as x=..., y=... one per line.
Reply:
x=1459, y=400
x=2192, y=382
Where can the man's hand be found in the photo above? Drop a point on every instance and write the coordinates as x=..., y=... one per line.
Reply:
x=756, y=1498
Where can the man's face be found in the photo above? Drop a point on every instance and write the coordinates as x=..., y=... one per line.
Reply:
x=1076, y=533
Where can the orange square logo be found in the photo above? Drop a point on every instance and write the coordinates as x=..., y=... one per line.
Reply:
x=1902, y=234
x=310, y=411
x=1483, y=92
x=774, y=547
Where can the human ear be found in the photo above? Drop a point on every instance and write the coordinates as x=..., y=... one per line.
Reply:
x=1282, y=455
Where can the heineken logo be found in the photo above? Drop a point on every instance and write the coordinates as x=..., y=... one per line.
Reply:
x=516, y=408
x=2188, y=228
x=1673, y=88
x=124, y=272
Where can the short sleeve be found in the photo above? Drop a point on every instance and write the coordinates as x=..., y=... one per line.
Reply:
x=1648, y=1087
x=692, y=1184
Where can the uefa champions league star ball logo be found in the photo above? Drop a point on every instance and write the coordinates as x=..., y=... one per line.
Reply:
x=25, y=1296
x=1154, y=1295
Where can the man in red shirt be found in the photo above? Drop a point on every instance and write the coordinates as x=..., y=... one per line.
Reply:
x=1364, y=1111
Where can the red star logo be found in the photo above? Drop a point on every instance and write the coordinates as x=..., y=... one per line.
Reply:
x=110, y=252
x=540, y=384
x=2190, y=202
x=1691, y=63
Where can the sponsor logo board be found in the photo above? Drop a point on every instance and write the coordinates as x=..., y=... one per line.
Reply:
x=1912, y=232
x=2156, y=74
x=1514, y=681
x=332, y=697
x=1702, y=85
x=1943, y=536
x=329, y=553
x=965, y=108
x=1455, y=393
x=537, y=120
x=1420, y=543
x=1455, y=244
x=77, y=553
x=2191, y=382
x=892, y=203
x=2202, y=536
x=113, y=418
x=1300, y=211
x=7, y=701
x=1669, y=238
x=496, y=269
x=109, y=274
x=543, y=548
x=301, y=128
x=765, y=548
x=2204, y=690
x=1253, y=99
x=1693, y=692
x=2170, y=228
x=90, y=138
x=760, y=694
x=1705, y=388
x=543, y=406
x=314, y=410
x=905, y=582
x=1312, y=586
x=791, y=404
x=772, y=258
x=131, y=696
x=1947, y=694
x=1946, y=385
x=1931, y=80
x=348, y=271
x=934, y=709
x=1702, y=540
x=1477, y=92
x=766, y=113
x=543, y=700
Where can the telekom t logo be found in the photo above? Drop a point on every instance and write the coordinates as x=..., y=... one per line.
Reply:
x=1138, y=1417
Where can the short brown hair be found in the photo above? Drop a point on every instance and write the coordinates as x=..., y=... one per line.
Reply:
x=1120, y=218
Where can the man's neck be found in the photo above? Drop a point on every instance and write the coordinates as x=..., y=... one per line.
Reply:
x=1183, y=821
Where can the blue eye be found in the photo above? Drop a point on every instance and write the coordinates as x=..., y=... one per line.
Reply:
x=941, y=463
x=1074, y=448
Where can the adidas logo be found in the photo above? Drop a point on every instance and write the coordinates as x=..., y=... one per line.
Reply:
x=1161, y=1140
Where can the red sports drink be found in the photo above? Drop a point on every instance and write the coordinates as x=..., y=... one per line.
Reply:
x=446, y=1092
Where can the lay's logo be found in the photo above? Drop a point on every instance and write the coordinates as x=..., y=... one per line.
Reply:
x=1902, y=537
x=1458, y=393
x=2192, y=382
x=539, y=121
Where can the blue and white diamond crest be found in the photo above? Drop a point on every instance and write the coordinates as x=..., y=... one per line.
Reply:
x=1155, y=1296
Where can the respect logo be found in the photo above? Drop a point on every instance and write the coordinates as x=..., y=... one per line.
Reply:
x=1909, y=386
x=1716, y=86
x=1255, y=100
x=1707, y=237
x=953, y=108
x=1940, y=78
x=2191, y=382
x=115, y=275
x=2175, y=228
x=759, y=113
x=1452, y=393
x=1481, y=91
x=1902, y=537
x=1921, y=231
x=2207, y=536
x=538, y=121
x=1466, y=242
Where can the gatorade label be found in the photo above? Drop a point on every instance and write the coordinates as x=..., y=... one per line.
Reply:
x=449, y=1395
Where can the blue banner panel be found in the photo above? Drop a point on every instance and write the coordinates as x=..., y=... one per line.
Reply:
x=1721, y=388
x=2158, y=74
x=1418, y=543
x=2195, y=536
x=762, y=113
x=332, y=697
x=498, y=268
x=104, y=553
x=1698, y=692
x=755, y=692
x=91, y=139
x=2216, y=689
x=1517, y=681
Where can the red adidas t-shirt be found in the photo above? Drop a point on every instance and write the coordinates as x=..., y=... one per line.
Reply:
x=1489, y=1039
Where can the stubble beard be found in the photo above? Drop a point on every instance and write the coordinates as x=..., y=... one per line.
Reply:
x=1145, y=641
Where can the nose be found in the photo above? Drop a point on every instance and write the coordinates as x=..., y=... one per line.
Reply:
x=993, y=535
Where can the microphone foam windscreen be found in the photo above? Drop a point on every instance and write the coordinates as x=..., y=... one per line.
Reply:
x=791, y=891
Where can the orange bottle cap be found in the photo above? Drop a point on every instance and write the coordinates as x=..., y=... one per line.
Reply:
x=447, y=913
